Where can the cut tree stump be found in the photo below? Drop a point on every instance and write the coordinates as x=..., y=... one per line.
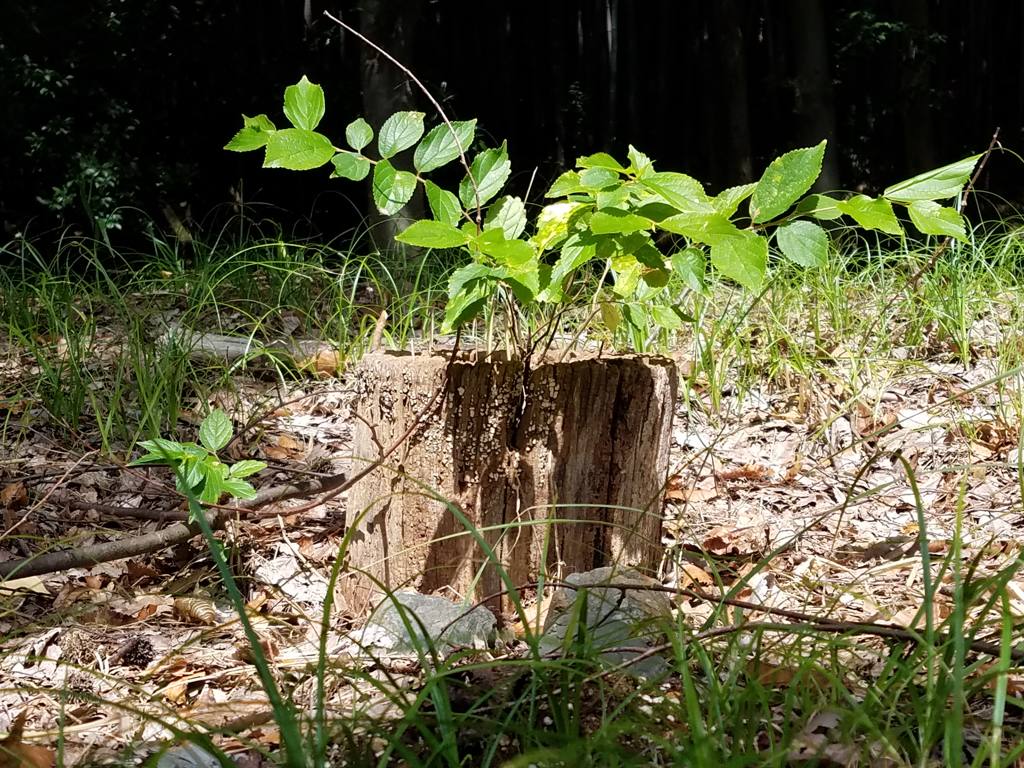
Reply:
x=560, y=473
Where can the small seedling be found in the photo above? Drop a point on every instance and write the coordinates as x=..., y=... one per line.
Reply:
x=197, y=468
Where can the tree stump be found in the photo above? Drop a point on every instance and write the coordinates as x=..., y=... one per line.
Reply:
x=561, y=467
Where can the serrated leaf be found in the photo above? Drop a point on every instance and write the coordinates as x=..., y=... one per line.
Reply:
x=432, y=234
x=392, y=188
x=444, y=205
x=930, y=218
x=939, y=184
x=213, y=481
x=215, y=431
x=626, y=271
x=507, y=253
x=611, y=315
x=297, y=150
x=820, y=207
x=728, y=200
x=691, y=265
x=466, y=303
x=440, y=146
x=666, y=317
x=743, y=259
x=238, y=489
x=350, y=166
x=803, y=243
x=784, y=181
x=304, y=104
x=576, y=251
x=255, y=133
x=358, y=134
x=399, y=132
x=160, y=451
x=508, y=214
x=616, y=197
x=600, y=160
x=617, y=221
x=553, y=223
x=871, y=213
x=678, y=190
x=640, y=164
x=566, y=184
x=594, y=179
x=707, y=228
x=490, y=170
x=246, y=467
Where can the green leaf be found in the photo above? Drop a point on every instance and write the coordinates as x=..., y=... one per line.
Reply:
x=440, y=146
x=594, y=179
x=432, y=234
x=933, y=219
x=246, y=467
x=700, y=227
x=626, y=270
x=399, y=132
x=358, y=134
x=611, y=315
x=467, y=302
x=507, y=253
x=215, y=431
x=618, y=196
x=616, y=221
x=214, y=474
x=728, y=200
x=640, y=165
x=939, y=184
x=392, y=188
x=743, y=259
x=820, y=207
x=577, y=251
x=161, y=451
x=680, y=191
x=255, y=133
x=297, y=150
x=444, y=205
x=508, y=214
x=600, y=160
x=871, y=213
x=350, y=166
x=304, y=104
x=468, y=274
x=566, y=184
x=666, y=317
x=803, y=243
x=553, y=223
x=490, y=170
x=238, y=489
x=691, y=265
x=784, y=181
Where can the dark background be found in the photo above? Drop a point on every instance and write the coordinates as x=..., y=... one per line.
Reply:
x=108, y=103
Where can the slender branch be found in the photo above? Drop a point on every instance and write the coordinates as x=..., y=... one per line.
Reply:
x=944, y=245
x=430, y=97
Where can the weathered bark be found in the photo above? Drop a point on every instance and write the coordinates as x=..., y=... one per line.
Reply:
x=592, y=435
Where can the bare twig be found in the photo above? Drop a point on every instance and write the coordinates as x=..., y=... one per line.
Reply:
x=944, y=245
x=430, y=97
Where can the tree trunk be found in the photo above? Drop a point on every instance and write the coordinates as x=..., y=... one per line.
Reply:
x=814, y=98
x=505, y=446
x=386, y=90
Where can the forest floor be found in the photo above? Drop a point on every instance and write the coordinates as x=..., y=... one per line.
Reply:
x=820, y=491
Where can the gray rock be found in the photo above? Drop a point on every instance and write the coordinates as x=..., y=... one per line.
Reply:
x=618, y=620
x=433, y=621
